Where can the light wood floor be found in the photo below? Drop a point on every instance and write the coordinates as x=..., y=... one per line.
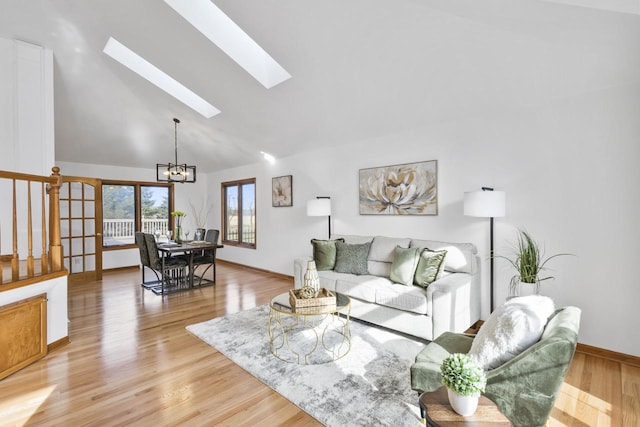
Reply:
x=132, y=363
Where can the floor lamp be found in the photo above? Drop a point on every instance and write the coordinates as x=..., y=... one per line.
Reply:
x=320, y=206
x=486, y=204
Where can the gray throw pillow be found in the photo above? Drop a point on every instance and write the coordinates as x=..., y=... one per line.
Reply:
x=430, y=266
x=403, y=266
x=324, y=253
x=352, y=258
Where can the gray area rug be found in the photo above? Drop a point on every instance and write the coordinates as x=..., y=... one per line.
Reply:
x=369, y=386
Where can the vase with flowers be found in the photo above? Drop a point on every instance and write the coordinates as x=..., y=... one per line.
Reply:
x=178, y=217
x=465, y=380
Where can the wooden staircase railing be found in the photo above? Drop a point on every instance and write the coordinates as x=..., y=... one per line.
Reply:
x=19, y=193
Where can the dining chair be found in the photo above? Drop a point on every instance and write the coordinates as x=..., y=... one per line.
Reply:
x=207, y=257
x=173, y=270
x=144, y=260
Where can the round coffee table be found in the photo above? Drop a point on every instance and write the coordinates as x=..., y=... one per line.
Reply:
x=435, y=408
x=310, y=336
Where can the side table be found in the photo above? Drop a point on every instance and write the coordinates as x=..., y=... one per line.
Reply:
x=435, y=409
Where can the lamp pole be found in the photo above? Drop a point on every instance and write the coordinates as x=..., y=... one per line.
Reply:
x=486, y=204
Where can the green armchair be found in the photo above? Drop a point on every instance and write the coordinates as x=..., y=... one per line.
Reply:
x=524, y=388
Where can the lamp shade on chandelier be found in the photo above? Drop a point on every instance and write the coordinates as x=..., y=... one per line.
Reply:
x=175, y=172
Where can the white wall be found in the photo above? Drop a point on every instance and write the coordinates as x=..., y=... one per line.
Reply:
x=27, y=146
x=26, y=107
x=57, y=317
x=570, y=173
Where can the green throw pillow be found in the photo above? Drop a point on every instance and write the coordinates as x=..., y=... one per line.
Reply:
x=404, y=265
x=430, y=267
x=324, y=253
x=352, y=258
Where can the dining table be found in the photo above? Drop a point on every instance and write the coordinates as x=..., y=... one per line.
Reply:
x=190, y=249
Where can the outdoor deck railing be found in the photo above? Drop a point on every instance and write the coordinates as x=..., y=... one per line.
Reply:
x=124, y=229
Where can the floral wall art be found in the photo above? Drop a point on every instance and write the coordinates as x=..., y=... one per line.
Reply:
x=281, y=191
x=408, y=189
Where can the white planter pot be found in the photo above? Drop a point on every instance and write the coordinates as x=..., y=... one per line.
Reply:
x=463, y=405
x=526, y=289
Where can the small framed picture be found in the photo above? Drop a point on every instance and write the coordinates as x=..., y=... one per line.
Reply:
x=282, y=191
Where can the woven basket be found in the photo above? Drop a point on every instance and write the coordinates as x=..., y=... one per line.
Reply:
x=323, y=301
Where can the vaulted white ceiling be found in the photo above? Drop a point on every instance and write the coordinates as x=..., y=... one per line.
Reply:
x=360, y=68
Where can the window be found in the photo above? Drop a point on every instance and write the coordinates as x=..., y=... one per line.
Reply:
x=239, y=213
x=129, y=207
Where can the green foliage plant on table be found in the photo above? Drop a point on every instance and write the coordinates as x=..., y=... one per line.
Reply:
x=462, y=374
x=529, y=262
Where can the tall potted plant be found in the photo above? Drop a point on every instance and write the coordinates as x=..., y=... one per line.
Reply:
x=529, y=262
x=465, y=380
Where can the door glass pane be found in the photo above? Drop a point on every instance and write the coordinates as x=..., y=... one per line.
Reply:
x=154, y=204
x=118, y=212
x=76, y=246
x=89, y=209
x=89, y=227
x=248, y=213
x=76, y=227
x=89, y=245
x=64, y=209
x=90, y=262
x=64, y=190
x=64, y=228
x=76, y=190
x=89, y=192
x=77, y=266
x=231, y=214
x=76, y=209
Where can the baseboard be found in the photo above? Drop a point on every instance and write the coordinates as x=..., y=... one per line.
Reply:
x=117, y=269
x=614, y=356
x=57, y=344
x=247, y=267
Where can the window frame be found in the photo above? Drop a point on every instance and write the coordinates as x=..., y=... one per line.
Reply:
x=223, y=193
x=137, y=200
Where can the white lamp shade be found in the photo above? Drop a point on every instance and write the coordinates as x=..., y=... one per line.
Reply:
x=319, y=207
x=486, y=204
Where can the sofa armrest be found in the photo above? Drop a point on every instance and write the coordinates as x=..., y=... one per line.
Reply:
x=299, y=268
x=451, y=305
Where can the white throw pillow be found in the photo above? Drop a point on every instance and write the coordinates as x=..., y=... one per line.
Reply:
x=511, y=329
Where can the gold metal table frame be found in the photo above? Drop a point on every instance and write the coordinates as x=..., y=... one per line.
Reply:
x=311, y=336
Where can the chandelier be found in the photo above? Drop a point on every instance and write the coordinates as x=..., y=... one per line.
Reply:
x=174, y=172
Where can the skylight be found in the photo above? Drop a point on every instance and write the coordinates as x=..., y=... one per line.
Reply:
x=145, y=69
x=214, y=24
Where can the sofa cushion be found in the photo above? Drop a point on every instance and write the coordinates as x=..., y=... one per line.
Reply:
x=460, y=256
x=511, y=329
x=404, y=265
x=353, y=239
x=324, y=253
x=378, y=268
x=382, y=248
x=405, y=298
x=361, y=287
x=352, y=258
x=430, y=266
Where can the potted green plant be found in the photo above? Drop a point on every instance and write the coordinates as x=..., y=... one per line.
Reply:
x=529, y=262
x=465, y=380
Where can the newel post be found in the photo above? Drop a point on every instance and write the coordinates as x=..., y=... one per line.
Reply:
x=55, y=245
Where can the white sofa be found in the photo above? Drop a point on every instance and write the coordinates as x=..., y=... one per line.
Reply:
x=451, y=303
